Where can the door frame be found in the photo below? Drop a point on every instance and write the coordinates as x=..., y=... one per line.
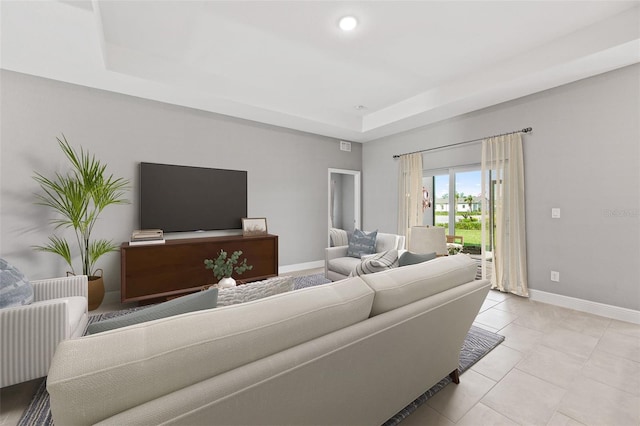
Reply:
x=356, y=197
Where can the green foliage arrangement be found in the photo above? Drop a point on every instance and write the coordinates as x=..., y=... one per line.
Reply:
x=224, y=266
x=78, y=197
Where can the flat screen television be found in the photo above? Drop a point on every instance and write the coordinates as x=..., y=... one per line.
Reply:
x=186, y=198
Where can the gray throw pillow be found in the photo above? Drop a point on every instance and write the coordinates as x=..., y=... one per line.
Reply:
x=378, y=262
x=254, y=291
x=362, y=243
x=15, y=289
x=408, y=258
x=181, y=305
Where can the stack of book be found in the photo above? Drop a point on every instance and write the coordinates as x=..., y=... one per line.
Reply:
x=146, y=236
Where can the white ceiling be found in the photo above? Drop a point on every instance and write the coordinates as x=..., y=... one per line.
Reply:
x=409, y=63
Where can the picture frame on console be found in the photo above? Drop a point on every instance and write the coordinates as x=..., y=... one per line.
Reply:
x=252, y=226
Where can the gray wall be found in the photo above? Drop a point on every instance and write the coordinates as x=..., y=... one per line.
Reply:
x=287, y=170
x=583, y=156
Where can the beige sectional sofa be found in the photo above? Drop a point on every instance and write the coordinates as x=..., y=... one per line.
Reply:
x=352, y=352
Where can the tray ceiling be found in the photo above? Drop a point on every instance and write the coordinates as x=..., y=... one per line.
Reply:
x=287, y=63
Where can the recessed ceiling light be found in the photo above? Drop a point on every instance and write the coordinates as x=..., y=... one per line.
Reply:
x=348, y=23
x=360, y=107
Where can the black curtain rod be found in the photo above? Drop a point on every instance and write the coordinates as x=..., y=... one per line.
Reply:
x=525, y=130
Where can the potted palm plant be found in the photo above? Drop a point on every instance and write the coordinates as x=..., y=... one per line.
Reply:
x=78, y=197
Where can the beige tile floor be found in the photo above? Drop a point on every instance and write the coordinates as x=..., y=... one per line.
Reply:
x=556, y=367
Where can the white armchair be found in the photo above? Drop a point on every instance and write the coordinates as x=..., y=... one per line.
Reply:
x=338, y=266
x=30, y=333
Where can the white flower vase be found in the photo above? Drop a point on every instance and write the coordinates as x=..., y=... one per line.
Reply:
x=227, y=282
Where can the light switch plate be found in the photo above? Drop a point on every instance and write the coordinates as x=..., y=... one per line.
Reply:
x=555, y=213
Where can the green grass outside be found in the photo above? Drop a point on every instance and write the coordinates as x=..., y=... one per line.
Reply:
x=472, y=239
x=471, y=236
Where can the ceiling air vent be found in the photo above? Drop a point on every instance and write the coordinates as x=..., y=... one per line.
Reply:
x=345, y=146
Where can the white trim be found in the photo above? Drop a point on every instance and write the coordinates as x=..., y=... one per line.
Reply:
x=596, y=308
x=356, y=198
x=300, y=267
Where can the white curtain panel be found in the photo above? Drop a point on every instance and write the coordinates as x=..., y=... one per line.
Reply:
x=409, y=192
x=503, y=183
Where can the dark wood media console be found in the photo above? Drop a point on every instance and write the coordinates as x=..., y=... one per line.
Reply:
x=177, y=267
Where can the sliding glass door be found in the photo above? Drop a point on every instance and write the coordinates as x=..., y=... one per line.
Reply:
x=456, y=204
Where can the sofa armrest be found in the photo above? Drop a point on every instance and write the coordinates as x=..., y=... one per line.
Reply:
x=54, y=288
x=29, y=339
x=333, y=253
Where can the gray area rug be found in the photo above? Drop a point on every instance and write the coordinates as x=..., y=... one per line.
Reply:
x=309, y=281
x=477, y=344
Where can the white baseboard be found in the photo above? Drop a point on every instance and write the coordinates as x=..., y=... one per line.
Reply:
x=596, y=308
x=300, y=267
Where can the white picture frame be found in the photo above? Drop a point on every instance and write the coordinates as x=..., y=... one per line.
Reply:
x=252, y=226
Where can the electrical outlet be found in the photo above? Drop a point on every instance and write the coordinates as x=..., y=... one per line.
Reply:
x=555, y=276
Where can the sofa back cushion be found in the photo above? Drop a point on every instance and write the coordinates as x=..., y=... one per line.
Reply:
x=401, y=286
x=338, y=237
x=183, y=350
x=386, y=242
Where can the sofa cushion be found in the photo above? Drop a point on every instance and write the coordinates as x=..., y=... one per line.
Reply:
x=344, y=265
x=15, y=289
x=254, y=291
x=180, y=305
x=362, y=243
x=401, y=286
x=377, y=262
x=409, y=258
